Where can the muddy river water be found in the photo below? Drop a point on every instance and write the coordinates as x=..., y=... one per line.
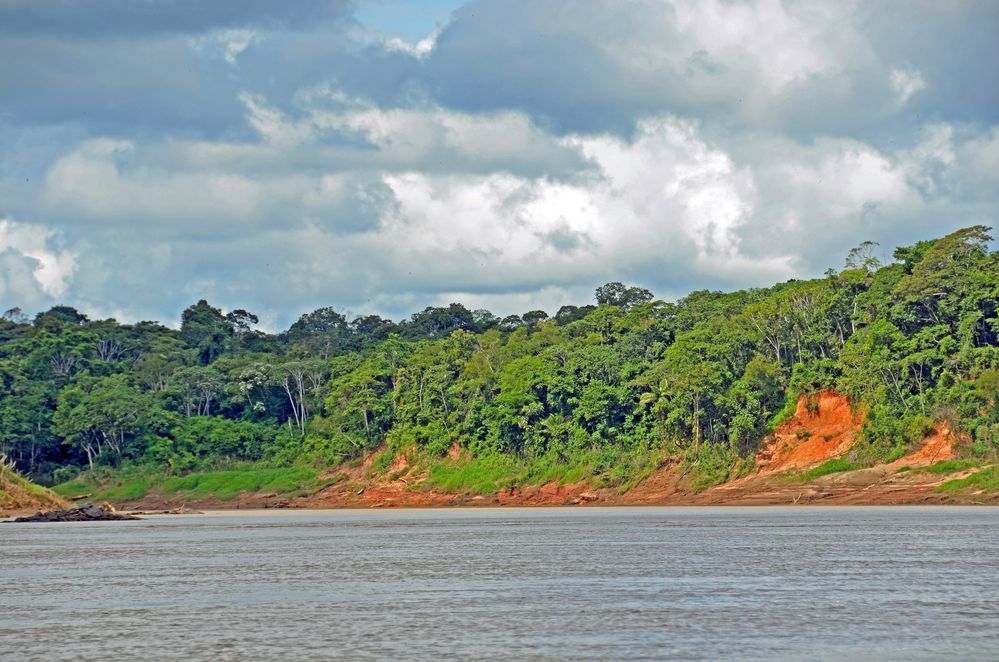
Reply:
x=872, y=583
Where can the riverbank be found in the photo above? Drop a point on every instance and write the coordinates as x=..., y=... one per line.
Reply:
x=948, y=482
x=810, y=458
x=805, y=461
x=19, y=496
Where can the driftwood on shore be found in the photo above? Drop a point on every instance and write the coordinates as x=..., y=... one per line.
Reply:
x=182, y=510
x=85, y=513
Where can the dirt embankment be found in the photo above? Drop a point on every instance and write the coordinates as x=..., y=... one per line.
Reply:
x=19, y=495
x=823, y=427
x=397, y=486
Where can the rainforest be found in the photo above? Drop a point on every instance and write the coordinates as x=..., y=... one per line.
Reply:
x=584, y=403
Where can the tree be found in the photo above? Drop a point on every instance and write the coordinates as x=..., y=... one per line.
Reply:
x=511, y=323
x=434, y=322
x=622, y=296
x=940, y=282
x=101, y=416
x=534, y=317
x=862, y=257
x=205, y=330
x=15, y=315
x=567, y=314
x=59, y=316
x=301, y=382
x=241, y=320
x=196, y=389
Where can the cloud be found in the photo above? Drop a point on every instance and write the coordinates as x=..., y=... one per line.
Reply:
x=32, y=269
x=906, y=83
x=608, y=66
x=284, y=158
x=420, y=49
x=228, y=43
x=101, y=18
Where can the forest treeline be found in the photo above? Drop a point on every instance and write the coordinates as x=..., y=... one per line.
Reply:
x=915, y=341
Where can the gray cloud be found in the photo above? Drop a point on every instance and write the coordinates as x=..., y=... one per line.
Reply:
x=279, y=159
x=89, y=18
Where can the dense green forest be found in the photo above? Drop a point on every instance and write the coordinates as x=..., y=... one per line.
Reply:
x=706, y=377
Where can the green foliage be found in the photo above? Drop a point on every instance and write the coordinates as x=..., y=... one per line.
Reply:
x=713, y=465
x=947, y=467
x=382, y=461
x=484, y=475
x=981, y=483
x=888, y=434
x=134, y=483
x=595, y=392
x=230, y=484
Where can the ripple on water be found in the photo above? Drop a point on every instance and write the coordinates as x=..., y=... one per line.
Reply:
x=768, y=583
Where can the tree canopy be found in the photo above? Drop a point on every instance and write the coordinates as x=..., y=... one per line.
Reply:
x=914, y=340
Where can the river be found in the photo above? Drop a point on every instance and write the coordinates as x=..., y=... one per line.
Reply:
x=865, y=583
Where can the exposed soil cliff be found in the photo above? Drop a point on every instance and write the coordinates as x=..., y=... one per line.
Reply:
x=824, y=426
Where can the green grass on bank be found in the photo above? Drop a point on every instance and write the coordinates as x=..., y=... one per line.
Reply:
x=230, y=484
x=16, y=491
x=986, y=481
x=834, y=466
x=482, y=475
x=946, y=467
x=489, y=474
x=132, y=484
x=122, y=488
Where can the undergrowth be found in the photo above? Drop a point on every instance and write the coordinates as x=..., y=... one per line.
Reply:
x=714, y=464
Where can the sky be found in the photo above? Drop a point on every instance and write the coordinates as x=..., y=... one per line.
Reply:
x=383, y=156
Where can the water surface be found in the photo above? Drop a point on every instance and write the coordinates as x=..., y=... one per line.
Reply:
x=593, y=583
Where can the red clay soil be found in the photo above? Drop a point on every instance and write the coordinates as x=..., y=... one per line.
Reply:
x=357, y=488
x=824, y=426
x=937, y=447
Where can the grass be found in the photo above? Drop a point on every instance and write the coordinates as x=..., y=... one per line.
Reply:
x=833, y=466
x=381, y=462
x=16, y=491
x=132, y=484
x=230, y=484
x=489, y=474
x=484, y=475
x=129, y=487
x=946, y=467
x=986, y=480
x=712, y=466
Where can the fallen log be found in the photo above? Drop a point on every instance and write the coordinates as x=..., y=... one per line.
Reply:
x=182, y=510
x=85, y=513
